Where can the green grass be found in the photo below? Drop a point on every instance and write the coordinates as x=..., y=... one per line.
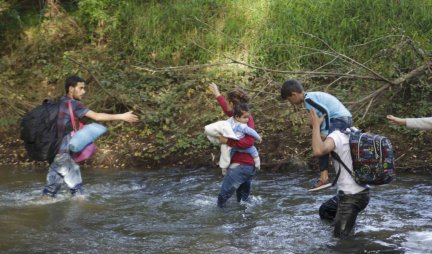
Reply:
x=110, y=36
x=268, y=33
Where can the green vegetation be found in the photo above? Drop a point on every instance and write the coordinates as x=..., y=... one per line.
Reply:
x=157, y=58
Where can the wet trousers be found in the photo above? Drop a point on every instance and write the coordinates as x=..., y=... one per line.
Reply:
x=238, y=179
x=63, y=169
x=343, y=210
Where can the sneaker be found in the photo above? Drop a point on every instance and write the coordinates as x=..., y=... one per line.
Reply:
x=321, y=185
x=224, y=171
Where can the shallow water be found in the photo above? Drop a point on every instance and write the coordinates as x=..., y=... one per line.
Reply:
x=174, y=211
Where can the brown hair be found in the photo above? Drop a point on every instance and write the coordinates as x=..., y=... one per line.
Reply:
x=237, y=96
x=240, y=108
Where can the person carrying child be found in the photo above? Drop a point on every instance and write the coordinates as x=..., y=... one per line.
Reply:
x=235, y=128
x=336, y=115
x=240, y=173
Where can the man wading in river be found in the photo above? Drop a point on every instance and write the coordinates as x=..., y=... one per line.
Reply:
x=64, y=168
x=351, y=197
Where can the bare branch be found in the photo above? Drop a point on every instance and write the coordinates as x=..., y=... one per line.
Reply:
x=321, y=40
x=92, y=75
x=367, y=108
x=328, y=63
x=218, y=31
x=179, y=68
x=377, y=39
x=414, y=73
x=323, y=74
x=370, y=96
x=351, y=60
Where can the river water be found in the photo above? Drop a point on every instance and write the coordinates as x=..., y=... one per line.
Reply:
x=174, y=211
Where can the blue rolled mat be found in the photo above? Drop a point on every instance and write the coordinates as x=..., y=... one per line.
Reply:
x=88, y=134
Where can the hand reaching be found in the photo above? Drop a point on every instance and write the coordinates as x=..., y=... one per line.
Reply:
x=129, y=117
x=214, y=89
x=396, y=120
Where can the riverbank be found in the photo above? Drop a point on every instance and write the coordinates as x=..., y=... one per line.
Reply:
x=275, y=155
x=157, y=60
x=278, y=153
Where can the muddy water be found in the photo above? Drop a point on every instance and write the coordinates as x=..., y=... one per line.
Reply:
x=174, y=211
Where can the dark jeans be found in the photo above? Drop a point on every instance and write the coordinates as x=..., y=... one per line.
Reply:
x=335, y=124
x=238, y=179
x=343, y=209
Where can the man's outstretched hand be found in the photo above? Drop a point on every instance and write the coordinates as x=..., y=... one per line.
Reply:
x=130, y=117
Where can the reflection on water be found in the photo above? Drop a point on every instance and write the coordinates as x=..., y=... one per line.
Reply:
x=175, y=211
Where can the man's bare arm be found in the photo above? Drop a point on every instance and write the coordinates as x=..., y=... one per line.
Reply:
x=319, y=147
x=127, y=117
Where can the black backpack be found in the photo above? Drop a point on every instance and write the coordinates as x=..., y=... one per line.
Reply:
x=39, y=131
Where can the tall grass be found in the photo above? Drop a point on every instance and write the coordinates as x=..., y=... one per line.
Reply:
x=277, y=34
x=268, y=33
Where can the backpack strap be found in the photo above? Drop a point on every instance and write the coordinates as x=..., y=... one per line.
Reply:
x=336, y=178
x=321, y=109
x=336, y=157
x=72, y=116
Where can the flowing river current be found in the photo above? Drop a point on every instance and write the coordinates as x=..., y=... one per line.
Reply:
x=174, y=211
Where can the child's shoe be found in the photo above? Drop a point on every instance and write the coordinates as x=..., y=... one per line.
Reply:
x=224, y=171
x=319, y=185
x=257, y=163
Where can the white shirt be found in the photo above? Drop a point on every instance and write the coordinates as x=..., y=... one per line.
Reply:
x=424, y=123
x=345, y=182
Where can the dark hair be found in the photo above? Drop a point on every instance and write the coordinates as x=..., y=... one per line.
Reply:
x=72, y=81
x=240, y=108
x=290, y=86
x=237, y=96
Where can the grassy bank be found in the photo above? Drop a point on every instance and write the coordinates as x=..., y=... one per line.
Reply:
x=157, y=58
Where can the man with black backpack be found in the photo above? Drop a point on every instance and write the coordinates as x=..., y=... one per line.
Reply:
x=351, y=197
x=64, y=168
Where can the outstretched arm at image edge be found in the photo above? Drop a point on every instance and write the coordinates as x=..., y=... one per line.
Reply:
x=424, y=123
